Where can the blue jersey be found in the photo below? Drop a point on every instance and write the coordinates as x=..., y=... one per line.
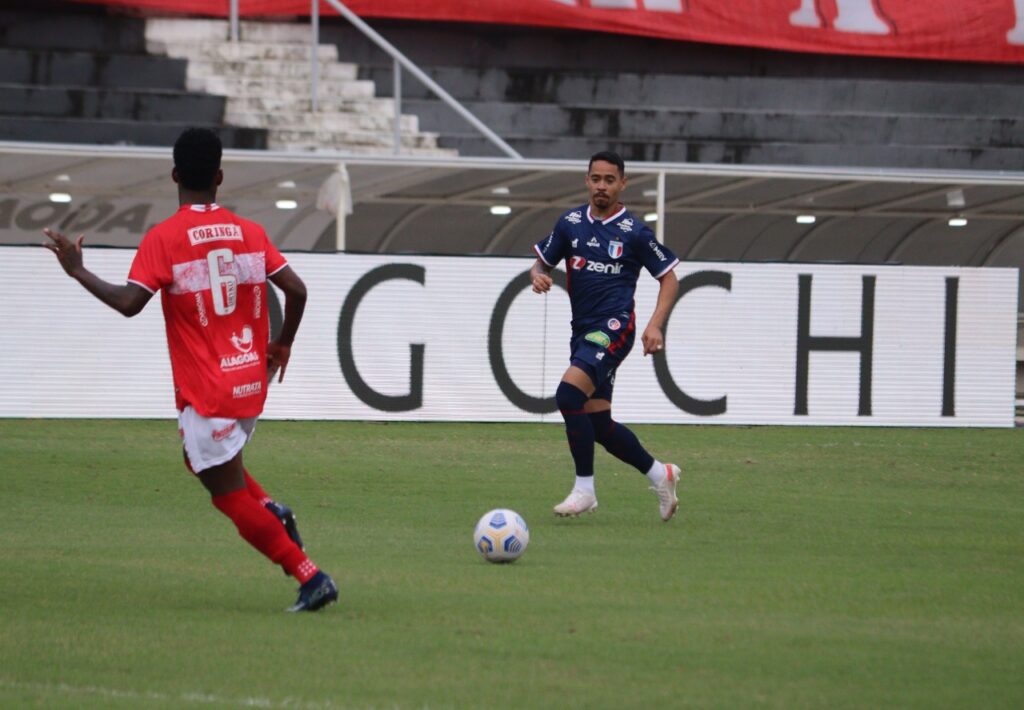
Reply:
x=603, y=260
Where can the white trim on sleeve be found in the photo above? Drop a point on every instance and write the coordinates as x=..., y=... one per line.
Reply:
x=668, y=268
x=141, y=285
x=541, y=257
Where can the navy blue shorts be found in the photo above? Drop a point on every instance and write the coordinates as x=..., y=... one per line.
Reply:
x=599, y=351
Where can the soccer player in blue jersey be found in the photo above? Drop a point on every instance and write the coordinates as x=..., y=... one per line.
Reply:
x=604, y=248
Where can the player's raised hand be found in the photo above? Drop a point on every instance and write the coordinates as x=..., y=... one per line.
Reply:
x=653, y=340
x=277, y=360
x=68, y=253
x=542, y=283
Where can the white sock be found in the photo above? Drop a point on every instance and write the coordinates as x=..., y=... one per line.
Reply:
x=585, y=483
x=657, y=473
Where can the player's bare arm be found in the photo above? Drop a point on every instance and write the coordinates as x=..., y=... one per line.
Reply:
x=654, y=337
x=539, y=277
x=280, y=348
x=127, y=299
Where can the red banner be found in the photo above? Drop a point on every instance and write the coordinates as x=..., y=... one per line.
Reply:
x=965, y=30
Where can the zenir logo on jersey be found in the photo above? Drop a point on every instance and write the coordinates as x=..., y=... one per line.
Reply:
x=578, y=263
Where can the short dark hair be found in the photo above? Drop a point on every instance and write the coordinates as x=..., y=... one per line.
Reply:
x=197, y=158
x=608, y=157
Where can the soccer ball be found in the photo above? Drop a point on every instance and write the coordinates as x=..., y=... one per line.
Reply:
x=501, y=535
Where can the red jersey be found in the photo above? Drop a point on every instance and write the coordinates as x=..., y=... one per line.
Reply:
x=211, y=269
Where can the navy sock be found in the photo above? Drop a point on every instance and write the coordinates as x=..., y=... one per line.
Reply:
x=620, y=441
x=578, y=429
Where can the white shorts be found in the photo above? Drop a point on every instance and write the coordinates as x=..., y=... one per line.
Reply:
x=211, y=441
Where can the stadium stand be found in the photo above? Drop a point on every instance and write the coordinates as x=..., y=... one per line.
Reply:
x=552, y=93
x=71, y=73
x=549, y=93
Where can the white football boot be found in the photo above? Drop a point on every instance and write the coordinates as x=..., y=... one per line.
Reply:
x=666, y=492
x=576, y=503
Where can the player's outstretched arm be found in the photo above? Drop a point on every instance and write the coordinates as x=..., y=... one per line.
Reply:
x=539, y=277
x=127, y=299
x=654, y=337
x=279, y=350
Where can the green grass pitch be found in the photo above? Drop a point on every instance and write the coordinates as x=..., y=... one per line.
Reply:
x=807, y=568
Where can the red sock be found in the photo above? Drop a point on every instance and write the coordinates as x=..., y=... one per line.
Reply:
x=262, y=530
x=255, y=489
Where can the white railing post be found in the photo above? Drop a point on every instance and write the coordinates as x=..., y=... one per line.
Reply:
x=314, y=66
x=660, y=209
x=397, y=85
x=233, y=16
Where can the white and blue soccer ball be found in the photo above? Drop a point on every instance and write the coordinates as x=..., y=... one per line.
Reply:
x=501, y=535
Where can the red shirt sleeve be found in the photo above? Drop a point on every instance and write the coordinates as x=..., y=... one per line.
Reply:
x=274, y=259
x=150, y=268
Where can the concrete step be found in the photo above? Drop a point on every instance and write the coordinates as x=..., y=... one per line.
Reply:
x=137, y=105
x=75, y=68
x=342, y=147
x=267, y=68
x=281, y=104
x=618, y=123
x=225, y=50
x=746, y=152
x=72, y=29
x=110, y=132
x=341, y=122
x=285, y=88
x=368, y=139
x=656, y=90
x=171, y=29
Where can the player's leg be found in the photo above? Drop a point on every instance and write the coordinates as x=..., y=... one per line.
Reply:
x=213, y=450
x=620, y=441
x=571, y=396
x=257, y=525
x=281, y=511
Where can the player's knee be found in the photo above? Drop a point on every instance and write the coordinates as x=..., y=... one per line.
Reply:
x=570, y=398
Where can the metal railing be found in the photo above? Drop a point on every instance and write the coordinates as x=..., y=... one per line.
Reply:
x=399, y=62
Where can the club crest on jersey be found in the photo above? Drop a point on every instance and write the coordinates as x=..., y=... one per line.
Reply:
x=615, y=249
x=614, y=324
x=598, y=337
x=594, y=243
x=574, y=217
x=626, y=225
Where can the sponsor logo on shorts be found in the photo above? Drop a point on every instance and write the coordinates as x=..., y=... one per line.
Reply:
x=614, y=324
x=249, y=389
x=615, y=249
x=600, y=356
x=574, y=217
x=222, y=434
x=214, y=233
x=598, y=337
x=239, y=361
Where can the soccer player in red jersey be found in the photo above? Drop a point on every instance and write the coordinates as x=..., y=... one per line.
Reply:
x=211, y=268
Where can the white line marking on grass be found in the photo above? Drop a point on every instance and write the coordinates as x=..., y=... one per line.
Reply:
x=191, y=697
